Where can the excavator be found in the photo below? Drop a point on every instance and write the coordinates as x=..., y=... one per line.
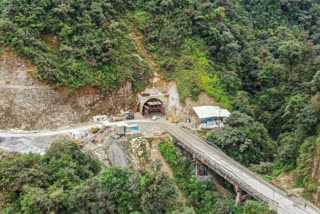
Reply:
x=174, y=120
x=94, y=129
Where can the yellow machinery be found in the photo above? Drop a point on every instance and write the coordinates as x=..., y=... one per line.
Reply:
x=94, y=129
x=174, y=120
x=78, y=142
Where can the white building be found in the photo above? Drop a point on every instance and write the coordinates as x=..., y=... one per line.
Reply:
x=211, y=116
x=121, y=128
x=100, y=118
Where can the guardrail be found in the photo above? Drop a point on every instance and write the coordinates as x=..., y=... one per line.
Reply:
x=236, y=163
x=255, y=175
x=230, y=175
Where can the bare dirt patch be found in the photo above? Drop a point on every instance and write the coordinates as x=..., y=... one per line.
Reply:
x=28, y=103
x=287, y=181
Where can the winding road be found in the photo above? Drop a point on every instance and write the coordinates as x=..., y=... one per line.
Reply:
x=214, y=158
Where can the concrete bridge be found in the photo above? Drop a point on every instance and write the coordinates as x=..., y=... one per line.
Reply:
x=244, y=180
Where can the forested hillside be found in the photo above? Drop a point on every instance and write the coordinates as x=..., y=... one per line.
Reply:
x=258, y=57
x=66, y=180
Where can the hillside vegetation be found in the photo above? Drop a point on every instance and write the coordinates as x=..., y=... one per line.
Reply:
x=74, y=43
x=66, y=180
x=259, y=57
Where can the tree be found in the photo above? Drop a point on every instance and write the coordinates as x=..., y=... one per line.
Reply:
x=36, y=200
x=158, y=193
x=202, y=196
x=89, y=198
x=255, y=207
x=187, y=210
x=244, y=139
x=315, y=83
x=116, y=185
x=290, y=52
x=288, y=149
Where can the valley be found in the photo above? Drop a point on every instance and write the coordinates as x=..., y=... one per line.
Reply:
x=178, y=107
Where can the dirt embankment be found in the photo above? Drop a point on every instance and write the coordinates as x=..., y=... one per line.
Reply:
x=315, y=174
x=28, y=103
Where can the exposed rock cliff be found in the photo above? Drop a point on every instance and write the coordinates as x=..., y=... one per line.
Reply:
x=28, y=103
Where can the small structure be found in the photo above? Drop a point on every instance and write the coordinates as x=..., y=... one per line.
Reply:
x=106, y=123
x=152, y=100
x=134, y=127
x=100, y=118
x=121, y=128
x=77, y=135
x=211, y=116
x=124, y=113
x=153, y=106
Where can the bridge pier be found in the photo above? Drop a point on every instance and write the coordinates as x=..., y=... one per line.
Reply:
x=245, y=197
x=200, y=169
x=240, y=196
x=197, y=168
x=238, y=192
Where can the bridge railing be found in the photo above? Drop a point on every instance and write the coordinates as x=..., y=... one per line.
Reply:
x=220, y=169
x=236, y=163
x=259, y=177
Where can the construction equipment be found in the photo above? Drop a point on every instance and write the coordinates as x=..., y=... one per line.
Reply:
x=102, y=137
x=130, y=117
x=78, y=142
x=174, y=120
x=91, y=138
x=118, y=118
x=94, y=129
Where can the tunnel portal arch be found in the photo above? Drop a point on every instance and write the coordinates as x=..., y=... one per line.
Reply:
x=149, y=95
x=153, y=105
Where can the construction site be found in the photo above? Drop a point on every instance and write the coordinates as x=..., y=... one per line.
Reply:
x=119, y=141
x=128, y=131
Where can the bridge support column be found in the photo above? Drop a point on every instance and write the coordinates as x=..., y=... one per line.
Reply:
x=245, y=197
x=201, y=170
x=239, y=194
x=197, y=166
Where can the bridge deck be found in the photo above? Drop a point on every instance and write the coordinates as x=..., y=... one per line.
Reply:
x=250, y=182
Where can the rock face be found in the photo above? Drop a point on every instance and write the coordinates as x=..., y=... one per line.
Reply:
x=174, y=108
x=27, y=103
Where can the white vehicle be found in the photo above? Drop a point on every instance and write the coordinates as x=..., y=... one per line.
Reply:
x=154, y=117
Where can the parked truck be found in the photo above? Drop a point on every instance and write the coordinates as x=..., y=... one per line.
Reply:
x=118, y=118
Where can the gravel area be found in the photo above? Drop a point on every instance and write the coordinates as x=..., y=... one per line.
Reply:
x=26, y=144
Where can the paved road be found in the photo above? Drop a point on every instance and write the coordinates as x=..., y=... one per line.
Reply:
x=276, y=198
x=22, y=87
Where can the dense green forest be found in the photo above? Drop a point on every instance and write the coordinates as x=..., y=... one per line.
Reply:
x=66, y=180
x=259, y=58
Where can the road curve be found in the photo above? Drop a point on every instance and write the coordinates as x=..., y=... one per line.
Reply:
x=277, y=199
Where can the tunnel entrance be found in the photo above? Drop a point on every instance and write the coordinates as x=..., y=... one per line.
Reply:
x=153, y=106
